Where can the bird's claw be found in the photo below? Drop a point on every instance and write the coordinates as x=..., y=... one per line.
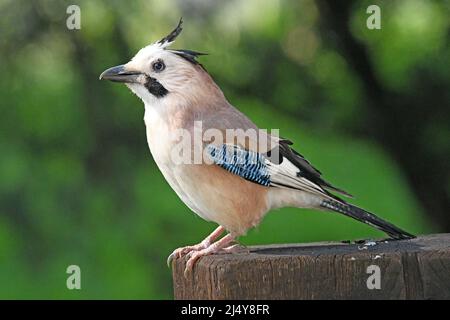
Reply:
x=235, y=248
x=193, y=257
x=170, y=259
x=177, y=253
x=204, y=248
x=184, y=251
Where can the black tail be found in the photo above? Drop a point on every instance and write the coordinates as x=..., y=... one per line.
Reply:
x=366, y=217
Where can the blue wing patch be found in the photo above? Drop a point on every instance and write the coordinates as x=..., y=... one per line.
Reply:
x=244, y=163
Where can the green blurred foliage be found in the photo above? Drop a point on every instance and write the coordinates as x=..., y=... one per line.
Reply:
x=77, y=182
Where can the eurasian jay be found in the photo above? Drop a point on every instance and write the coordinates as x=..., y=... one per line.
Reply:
x=238, y=177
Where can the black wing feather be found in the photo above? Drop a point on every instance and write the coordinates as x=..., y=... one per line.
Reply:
x=306, y=169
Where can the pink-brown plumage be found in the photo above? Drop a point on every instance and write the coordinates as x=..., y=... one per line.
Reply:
x=180, y=96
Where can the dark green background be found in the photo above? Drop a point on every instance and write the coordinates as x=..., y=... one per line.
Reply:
x=369, y=108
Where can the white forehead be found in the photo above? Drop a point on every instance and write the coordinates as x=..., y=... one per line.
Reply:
x=147, y=55
x=149, y=52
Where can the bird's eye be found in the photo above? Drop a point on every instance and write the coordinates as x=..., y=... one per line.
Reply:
x=158, y=66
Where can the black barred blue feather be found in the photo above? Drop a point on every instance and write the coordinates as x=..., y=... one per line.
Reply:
x=284, y=170
x=246, y=164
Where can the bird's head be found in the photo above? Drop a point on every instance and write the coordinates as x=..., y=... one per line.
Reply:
x=156, y=73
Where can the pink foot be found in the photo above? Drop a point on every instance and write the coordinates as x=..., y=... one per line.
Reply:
x=213, y=248
x=181, y=252
x=235, y=248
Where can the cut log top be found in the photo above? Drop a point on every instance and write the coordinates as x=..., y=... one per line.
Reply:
x=405, y=269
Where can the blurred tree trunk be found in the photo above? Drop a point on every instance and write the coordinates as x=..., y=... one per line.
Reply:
x=399, y=122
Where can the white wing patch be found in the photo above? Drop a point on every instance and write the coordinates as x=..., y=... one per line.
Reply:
x=286, y=175
x=259, y=169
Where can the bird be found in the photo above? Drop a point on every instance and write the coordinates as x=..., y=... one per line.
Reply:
x=231, y=179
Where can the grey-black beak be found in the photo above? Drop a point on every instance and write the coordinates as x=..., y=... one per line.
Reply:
x=120, y=74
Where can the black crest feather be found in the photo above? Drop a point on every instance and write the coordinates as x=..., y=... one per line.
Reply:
x=172, y=36
x=189, y=55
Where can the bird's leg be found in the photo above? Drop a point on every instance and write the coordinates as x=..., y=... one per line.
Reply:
x=213, y=248
x=180, y=252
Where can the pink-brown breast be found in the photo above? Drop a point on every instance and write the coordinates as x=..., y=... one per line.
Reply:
x=225, y=198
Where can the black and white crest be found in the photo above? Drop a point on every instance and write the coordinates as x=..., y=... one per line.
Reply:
x=189, y=55
x=167, y=40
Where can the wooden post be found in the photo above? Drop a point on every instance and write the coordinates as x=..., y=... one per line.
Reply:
x=408, y=269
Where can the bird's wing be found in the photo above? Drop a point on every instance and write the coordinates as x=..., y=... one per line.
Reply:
x=280, y=167
x=276, y=165
x=304, y=167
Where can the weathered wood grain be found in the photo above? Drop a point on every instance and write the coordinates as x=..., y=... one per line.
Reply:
x=410, y=269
